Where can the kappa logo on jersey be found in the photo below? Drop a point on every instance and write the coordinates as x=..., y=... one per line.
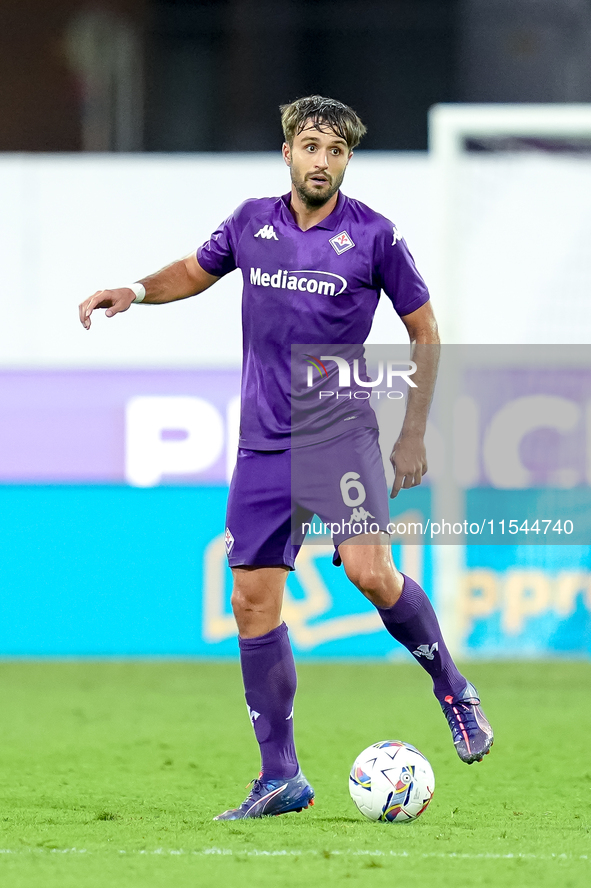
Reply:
x=341, y=243
x=427, y=652
x=267, y=232
x=229, y=540
x=397, y=235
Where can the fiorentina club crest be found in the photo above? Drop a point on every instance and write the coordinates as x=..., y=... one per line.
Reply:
x=229, y=540
x=341, y=243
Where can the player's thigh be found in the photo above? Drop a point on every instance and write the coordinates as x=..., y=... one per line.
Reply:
x=343, y=481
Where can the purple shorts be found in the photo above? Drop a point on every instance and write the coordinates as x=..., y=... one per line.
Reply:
x=274, y=494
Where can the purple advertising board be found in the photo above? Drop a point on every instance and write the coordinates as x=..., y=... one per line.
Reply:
x=143, y=427
x=515, y=427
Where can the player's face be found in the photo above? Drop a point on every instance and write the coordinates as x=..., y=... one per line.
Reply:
x=317, y=161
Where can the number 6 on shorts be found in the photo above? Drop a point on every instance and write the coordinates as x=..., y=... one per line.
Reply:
x=350, y=482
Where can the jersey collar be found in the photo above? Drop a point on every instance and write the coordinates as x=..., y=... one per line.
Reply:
x=332, y=221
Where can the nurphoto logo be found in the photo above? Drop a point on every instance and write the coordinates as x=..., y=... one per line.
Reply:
x=389, y=373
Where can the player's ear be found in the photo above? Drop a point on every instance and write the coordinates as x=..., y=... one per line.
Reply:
x=286, y=151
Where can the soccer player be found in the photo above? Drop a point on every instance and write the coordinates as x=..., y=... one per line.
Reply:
x=314, y=263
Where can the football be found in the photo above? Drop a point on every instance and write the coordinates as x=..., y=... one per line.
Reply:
x=391, y=781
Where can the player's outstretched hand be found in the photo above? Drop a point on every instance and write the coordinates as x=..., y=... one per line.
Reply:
x=409, y=460
x=114, y=301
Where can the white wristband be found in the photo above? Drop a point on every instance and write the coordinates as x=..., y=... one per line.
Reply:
x=139, y=290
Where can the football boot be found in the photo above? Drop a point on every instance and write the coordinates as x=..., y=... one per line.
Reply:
x=269, y=797
x=471, y=732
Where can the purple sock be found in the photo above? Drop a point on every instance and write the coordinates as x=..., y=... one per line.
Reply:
x=269, y=675
x=412, y=622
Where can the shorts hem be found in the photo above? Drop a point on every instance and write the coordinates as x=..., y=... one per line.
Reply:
x=241, y=562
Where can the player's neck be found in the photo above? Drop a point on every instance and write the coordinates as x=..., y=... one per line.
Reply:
x=306, y=217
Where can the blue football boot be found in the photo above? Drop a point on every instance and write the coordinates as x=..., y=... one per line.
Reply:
x=271, y=797
x=471, y=732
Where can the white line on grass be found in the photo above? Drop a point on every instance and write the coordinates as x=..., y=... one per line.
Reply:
x=310, y=852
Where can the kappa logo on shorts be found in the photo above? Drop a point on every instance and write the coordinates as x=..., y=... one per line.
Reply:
x=397, y=235
x=361, y=514
x=341, y=243
x=229, y=540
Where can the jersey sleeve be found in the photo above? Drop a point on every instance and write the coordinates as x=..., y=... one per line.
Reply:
x=218, y=254
x=396, y=273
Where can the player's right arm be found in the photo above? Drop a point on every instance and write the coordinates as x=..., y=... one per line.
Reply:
x=179, y=280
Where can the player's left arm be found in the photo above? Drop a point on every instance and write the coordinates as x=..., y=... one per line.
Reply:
x=409, y=457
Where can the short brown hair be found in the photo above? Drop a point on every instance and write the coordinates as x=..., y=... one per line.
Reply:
x=321, y=112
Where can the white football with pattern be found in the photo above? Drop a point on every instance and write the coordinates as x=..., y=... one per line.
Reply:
x=391, y=781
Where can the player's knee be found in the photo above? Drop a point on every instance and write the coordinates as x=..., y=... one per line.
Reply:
x=246, y=603
x=242, y=602
x=367, y=578
x=377, y=582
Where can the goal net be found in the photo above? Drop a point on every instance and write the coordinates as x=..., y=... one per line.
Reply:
x=513, y=222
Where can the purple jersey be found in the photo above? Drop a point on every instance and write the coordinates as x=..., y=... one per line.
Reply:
x=316, y=286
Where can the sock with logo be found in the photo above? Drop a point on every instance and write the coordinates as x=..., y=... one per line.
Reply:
x=412, y=622
x=269, y=675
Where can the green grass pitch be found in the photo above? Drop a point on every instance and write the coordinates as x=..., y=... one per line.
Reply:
x=110, y=775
